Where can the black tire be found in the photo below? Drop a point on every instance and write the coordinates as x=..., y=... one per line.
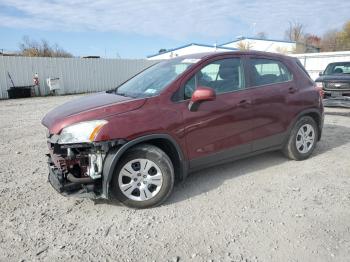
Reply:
x=161, y=159
x=290, y=148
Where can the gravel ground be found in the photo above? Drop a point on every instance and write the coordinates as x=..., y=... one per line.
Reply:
x=264, y=208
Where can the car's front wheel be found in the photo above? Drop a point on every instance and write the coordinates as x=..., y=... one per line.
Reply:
x=302, y=139
x=144, y=177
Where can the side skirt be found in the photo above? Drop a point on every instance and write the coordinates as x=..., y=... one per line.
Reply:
x=270, y=143
x=209, y=161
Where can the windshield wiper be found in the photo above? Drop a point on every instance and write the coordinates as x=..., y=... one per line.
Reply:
x=121, y=94
x=124, y=94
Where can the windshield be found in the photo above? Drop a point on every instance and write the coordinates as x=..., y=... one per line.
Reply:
x=154, y=79
x=338, y=68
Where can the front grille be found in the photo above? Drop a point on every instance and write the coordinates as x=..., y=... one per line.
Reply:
x=337, y=86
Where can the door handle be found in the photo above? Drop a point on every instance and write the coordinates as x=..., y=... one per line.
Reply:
x=244, y=103
x=292, y=90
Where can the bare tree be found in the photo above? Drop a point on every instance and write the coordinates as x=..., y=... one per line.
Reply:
x=30, y=47
x=330, y=41
x=295, y=32
x=244, y=46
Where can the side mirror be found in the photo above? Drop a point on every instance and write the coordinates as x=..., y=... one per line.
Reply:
x=320, y=73
x=200, y=95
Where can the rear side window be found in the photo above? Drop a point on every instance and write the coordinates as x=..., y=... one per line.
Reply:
x=302, y=68
x=268, y=71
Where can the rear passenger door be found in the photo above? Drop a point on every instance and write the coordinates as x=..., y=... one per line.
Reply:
x=273, y=84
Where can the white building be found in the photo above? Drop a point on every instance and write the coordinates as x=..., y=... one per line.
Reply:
x=265, y=45
x=315, y=63
x=251, y=43
x=189, y=49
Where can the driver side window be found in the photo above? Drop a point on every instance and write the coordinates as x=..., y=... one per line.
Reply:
x=225, y=75
x=190, y=86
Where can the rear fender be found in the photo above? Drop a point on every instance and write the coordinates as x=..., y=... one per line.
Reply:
x=308, y=112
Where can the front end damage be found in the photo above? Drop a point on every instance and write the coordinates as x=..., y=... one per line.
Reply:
x=77, y=169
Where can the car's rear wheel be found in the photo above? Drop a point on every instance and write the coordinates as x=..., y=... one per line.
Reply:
x=144, y=177
x=302, y=139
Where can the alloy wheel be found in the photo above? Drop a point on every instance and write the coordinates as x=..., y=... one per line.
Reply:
x=140, y=179
x=305, y=138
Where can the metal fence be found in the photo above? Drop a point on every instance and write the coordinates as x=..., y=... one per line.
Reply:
x=76, y=75
x=83, y=75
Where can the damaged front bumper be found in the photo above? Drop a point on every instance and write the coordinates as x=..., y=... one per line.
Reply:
x=77, y=169
x=62, y=185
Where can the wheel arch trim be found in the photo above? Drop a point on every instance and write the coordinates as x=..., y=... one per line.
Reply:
x=115, y=154
x=308, y=112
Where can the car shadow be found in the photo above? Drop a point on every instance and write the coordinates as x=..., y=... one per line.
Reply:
x=110, y=202
x=333, y=136
x=208, y=179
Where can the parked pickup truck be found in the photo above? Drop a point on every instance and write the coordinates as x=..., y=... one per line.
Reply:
x=335, y=80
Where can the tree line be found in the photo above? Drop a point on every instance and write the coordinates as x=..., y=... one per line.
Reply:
x=33, y=48
x=330, y=41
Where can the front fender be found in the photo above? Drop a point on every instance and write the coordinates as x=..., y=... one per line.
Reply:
x=115, y=154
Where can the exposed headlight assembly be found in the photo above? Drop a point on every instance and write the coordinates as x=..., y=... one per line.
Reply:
x=83, y=132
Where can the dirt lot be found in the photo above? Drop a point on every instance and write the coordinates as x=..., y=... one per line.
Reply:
x=265, y=208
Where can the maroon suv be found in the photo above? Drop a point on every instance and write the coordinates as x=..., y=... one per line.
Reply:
x=178, y=116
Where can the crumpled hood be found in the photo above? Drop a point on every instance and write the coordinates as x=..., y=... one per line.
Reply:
x=334, y=78
x=91, y=107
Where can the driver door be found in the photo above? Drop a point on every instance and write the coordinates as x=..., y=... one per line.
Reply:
x=221, y=129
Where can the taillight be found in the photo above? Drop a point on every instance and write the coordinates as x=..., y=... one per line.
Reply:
x=319, y=87
x=319, y=84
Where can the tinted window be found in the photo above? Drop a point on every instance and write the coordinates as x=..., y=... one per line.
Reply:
x=339, y=68
x=302, y=67
x=223, y=76
x=266, y=71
